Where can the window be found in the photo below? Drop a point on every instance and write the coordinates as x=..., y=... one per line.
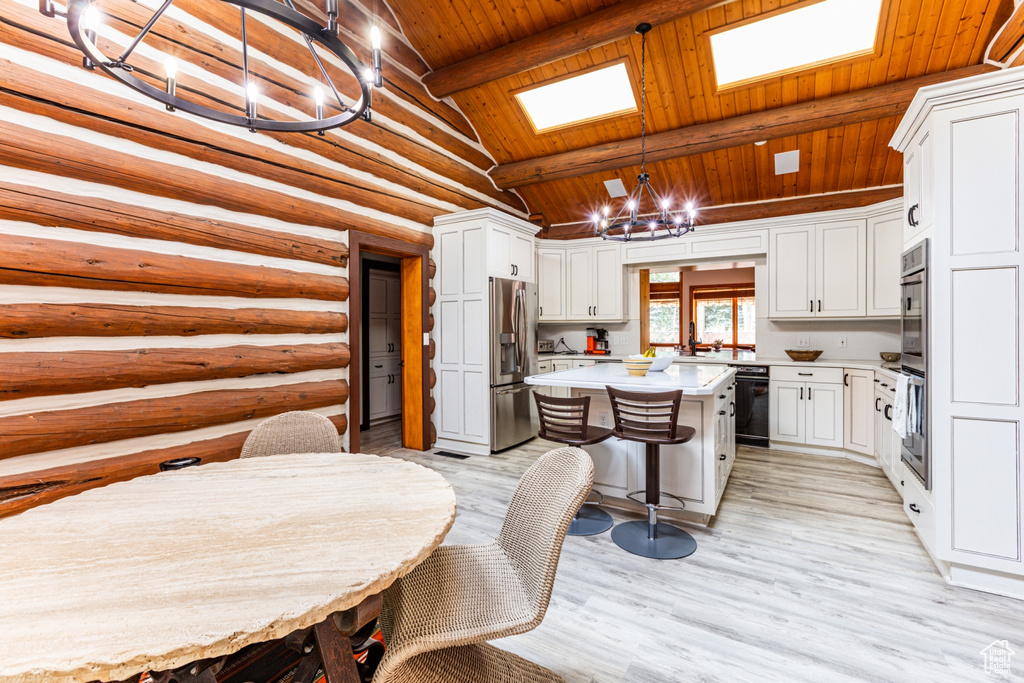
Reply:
x=814, y=33
x=724, y=313
x=597, y=94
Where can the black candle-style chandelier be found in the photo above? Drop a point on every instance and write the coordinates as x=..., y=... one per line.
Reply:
x=666, y=222
x=84, y=19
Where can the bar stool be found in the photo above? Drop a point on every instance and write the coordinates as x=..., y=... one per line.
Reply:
x=564, y=420
x=650, y=418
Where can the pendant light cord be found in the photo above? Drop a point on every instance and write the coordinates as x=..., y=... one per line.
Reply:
x=643, y=103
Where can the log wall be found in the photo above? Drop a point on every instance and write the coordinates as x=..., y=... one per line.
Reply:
x=168, y=282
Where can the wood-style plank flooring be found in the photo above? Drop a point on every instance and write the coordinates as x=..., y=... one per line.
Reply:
x=810, y=572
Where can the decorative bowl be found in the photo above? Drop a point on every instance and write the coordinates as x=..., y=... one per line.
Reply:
x=637, y=367
x=803, y=355
x=890, y=357
x=658, y=363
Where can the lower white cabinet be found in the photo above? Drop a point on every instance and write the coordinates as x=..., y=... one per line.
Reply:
x=859, y=416
x=385, y=388
x=806, y=406
x=887, y=441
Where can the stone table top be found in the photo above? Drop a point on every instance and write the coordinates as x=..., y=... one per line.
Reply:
x=162, y=570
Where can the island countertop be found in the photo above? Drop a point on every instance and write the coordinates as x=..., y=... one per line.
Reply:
x=694, y=380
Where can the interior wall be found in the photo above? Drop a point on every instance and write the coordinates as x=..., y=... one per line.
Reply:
x=168, y=282
x=704, y=278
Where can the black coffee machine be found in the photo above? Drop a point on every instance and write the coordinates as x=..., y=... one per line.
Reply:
x=597, y=342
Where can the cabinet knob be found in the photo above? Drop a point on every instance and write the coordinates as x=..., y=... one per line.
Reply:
x=914, y=508
x=722, y=456
x=721, y=412
x=721, y=396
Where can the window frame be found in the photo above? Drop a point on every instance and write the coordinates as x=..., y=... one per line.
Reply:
x=723, y=291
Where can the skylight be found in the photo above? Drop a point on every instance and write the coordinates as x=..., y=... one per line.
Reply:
x=822, y=32
x=597, y=94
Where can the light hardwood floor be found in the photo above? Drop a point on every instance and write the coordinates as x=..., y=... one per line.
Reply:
x=810, y=572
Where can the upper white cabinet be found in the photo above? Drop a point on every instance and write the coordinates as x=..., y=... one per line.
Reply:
x=885, y=244
x=510, y=253
x=551, y=283
x=918, y=186
x=841, y=269
x=584, y=282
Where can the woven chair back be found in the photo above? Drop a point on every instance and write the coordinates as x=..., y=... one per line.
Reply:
x=645, y=416
x=562, y=420
x=293, y=432
x=543, y=505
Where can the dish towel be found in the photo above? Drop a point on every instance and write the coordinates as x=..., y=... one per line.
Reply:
x=901, y=407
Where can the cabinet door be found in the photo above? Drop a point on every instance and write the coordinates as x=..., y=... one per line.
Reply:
x=499, y=252
x=888, y=455
x=911, y=192
x=786, y=413
x=791, y=273
x=925, y=215
x=551, y=283
x=608, y=282
x=379, y=335
x=394, y=392
x=579, y=283
x=393, y=331
x=523, y=256
x=859, y=411
x=557, y=365
x=378, y=295
x=885, y=245
x=840, y=271
x=824, y=415
x=378, y=387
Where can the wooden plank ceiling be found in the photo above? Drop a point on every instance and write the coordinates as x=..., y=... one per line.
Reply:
x=919, y=37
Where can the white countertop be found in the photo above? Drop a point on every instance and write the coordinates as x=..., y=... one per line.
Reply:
x=747, y=358
x=694, y=380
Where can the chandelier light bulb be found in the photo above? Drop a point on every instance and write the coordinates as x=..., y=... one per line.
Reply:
x=369, y=76
x=689, y=207
x=606, y=211
x=665, y=204
x=653, y=225
x=318, y=97
x=596, y=218
x=252, y=94
x=375, y=38
x=171, y=68
x=604, y=224
x=90, y=18
x=630, y=205
x=678, y=219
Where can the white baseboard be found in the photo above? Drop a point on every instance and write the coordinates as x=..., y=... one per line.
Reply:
x=827, y=452
x=462, y=447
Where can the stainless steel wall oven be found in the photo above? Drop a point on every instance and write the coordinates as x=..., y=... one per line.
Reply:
x=915, y=303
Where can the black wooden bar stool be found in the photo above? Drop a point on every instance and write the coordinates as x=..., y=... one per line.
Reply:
x=651, y=419
x=564, y=420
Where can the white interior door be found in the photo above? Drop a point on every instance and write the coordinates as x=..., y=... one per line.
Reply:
x=791, y=273
x=786, y=411
x=841, y=258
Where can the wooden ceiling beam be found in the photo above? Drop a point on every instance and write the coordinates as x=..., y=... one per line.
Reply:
x=869, y=104
x=593, y=30
x=1009, y=38
x=751, y=211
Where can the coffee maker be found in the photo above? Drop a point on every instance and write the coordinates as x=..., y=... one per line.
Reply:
x=597, y=342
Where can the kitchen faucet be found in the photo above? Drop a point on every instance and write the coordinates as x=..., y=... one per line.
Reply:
x=692, y=342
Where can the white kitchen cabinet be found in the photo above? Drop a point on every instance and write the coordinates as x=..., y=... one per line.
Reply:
x=608, y=282
x=968, y=140
x=384, y=314
x=818, y=271
x=556, y=366
x=918, y=186
x=859, y=415
x=385, y=388
x=885, y=245
x=510, y=253
x=840, y=269
x=579, y=283
x=887, y=441
x=551, y=283
x=791, y=272
x=805, y=406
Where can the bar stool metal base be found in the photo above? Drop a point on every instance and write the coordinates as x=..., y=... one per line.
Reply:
x=590, y=520
x=672, y=543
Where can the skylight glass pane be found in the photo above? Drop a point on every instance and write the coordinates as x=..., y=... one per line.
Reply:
x=823, y=32
x=597, y=94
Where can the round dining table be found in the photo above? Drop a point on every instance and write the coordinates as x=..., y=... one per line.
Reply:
x=158, y=572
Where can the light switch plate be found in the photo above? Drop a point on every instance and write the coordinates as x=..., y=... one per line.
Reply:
x=842, y=342
x=623, y=340
x=426, y=339
x=803, y=342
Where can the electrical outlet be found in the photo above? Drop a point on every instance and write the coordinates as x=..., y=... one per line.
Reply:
x=602, y=420
x=803, y=342
x=623, y=340
x=842, y=342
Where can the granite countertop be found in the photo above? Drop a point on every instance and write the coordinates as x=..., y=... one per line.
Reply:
x=694, y=380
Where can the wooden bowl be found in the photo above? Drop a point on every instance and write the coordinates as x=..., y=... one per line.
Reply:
x=803, y=355
x=637, y=367
x=890, y=357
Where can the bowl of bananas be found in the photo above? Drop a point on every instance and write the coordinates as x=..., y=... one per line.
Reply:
x=658, y=363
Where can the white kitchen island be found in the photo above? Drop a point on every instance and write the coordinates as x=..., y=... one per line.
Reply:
x=695, y=471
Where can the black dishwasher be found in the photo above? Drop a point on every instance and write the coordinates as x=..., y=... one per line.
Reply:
x=752, y=405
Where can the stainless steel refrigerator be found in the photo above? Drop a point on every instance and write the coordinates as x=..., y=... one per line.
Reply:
x=513, y=358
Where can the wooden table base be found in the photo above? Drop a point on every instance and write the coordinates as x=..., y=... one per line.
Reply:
x=328, y=643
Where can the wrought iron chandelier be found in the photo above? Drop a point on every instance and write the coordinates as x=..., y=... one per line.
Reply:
x=665, y=222
x=84, y=20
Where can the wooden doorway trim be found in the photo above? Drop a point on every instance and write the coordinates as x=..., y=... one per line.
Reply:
x=415, y=354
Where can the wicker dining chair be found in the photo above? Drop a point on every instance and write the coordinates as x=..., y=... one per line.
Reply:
x=436, y=620
x=294, y=432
